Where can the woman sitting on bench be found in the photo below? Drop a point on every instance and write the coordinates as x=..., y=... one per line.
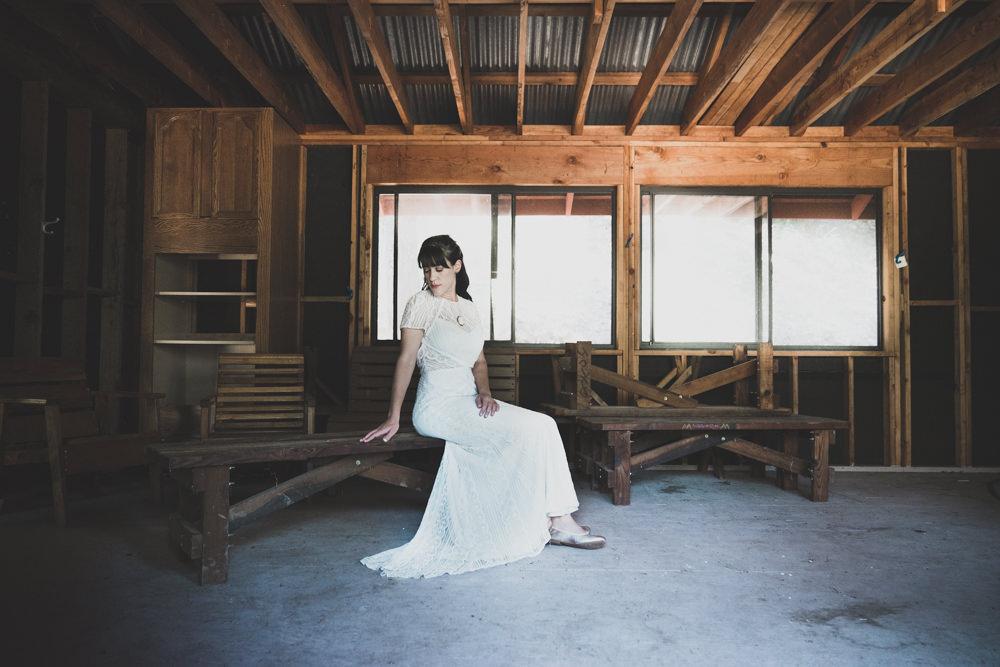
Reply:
x=503, y=489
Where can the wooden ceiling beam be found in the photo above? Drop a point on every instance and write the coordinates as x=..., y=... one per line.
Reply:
x=522, y=58
x=597, y=35
x=78, y=37
x=298, y=35
x=221, y=32
x=751, y=31
x=965, y=86
x=561, y=78
x=912, y=24
x=982, y=112
x=783, y=33
x=800, y=62
x=463, y=96
x=465, y=30
x=981, y=30
x=371, y=31
x=667, y=44
x=339, y=37
x=147, y=33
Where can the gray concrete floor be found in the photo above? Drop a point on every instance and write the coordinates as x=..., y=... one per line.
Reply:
x=895, y=568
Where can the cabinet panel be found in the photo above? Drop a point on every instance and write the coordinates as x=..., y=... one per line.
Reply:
x=232, y=159
x=176, y=163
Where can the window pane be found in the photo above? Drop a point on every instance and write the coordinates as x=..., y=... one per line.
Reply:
x=385, y=257
x=465, y=217
x=704, y=280
x=502, y=279
x=563, y=281
x=825, y=271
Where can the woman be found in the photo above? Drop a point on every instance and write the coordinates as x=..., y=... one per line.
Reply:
x=503, y=489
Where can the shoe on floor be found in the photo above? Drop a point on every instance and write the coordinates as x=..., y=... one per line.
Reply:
x=585, y=541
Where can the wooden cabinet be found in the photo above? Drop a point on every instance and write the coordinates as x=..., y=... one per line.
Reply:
x=221, y=184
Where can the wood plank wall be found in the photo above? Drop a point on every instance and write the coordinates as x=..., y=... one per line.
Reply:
x=627, y=168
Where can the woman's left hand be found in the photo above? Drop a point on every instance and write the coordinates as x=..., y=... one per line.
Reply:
x=487, y=405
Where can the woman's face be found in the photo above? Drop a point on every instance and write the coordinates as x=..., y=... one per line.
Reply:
x=441, y=279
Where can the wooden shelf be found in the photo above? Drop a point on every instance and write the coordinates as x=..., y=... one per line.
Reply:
x=193, y=294
x=207, y=339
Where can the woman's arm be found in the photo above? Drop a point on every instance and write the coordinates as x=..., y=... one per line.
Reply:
x=408, y=346
x=484, y=400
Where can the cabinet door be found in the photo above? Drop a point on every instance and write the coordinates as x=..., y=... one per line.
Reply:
x=232, y=159
x=177, y=160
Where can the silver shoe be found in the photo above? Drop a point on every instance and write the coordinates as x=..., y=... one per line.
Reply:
x=586, y=541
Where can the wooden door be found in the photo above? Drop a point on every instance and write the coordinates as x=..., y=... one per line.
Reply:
x=231, y=164
x=177, y=162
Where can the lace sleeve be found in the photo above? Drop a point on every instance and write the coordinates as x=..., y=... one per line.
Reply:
x=418, y=313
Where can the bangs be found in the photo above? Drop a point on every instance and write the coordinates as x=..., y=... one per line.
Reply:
x=431, y=256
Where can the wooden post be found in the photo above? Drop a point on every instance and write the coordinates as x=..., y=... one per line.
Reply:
x=906, y=389
x=963, y=311
x=215, y=526
x=31, y=214
x=849, y=406
x=790, y=445
x=765, y=376
x=580, y=354
x=620, y=445
x=741, y=389
x=891, y=320
x=821, y=469
x=76, y=234
x=115, y=225
x=54, y=441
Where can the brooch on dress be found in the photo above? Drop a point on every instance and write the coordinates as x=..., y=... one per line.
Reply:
x=460, y=321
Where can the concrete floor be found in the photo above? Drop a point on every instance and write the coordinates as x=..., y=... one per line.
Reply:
x=895, y=568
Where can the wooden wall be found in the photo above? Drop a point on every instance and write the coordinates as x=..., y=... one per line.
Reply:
x=872, y=389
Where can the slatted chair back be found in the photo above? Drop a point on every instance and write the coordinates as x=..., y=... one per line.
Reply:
x=260, y=392
x=370, y=385
x=22, y=424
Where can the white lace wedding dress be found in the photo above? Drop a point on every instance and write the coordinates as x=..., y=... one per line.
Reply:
x=501, y=476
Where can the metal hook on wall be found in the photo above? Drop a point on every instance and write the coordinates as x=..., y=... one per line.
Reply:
x=47, y=226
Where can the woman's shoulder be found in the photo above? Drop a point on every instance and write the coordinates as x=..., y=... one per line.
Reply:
x=421, y=296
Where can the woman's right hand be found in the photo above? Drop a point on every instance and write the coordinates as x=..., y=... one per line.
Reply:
x=386, y=429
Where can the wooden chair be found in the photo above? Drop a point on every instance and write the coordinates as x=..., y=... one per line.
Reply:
x=259, y=393
x=48, y=414
x=370, y=386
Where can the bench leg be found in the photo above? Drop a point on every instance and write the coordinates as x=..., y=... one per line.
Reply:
x=215, y=526
x=821, y=468
x=789, y=481
x=620, y=445
x=53, y=437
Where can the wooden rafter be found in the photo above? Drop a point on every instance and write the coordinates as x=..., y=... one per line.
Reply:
x=463, y=96
x=464, y=36
x=219, y=30
x=749, y=34
x=965, y=86
x=904, y=30
x=798, y=64
x=718, y=40
x=290, y=23
x=780, y=35
x=522, y=56
x=79, y=39
x=947, y=55
x=147, y=33
x=597, y=34
x=669, y=42
x=374, y=36
x=339, y=34
x=982, y=112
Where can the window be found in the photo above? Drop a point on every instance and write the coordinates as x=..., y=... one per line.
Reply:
x=799, y=270
x=540, y=263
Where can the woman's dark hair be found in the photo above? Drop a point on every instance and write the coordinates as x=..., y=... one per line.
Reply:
x=442, y=250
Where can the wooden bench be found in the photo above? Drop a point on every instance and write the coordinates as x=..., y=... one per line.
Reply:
x=49, y=415
x=370, y=386
x=608, y=439
x=205, y=516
